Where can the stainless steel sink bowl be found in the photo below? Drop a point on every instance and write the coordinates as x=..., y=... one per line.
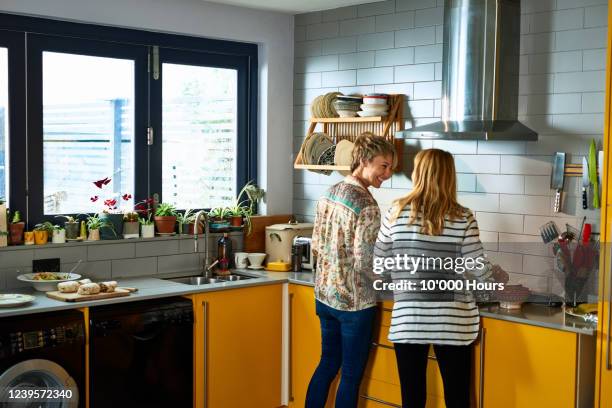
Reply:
x=201, y=280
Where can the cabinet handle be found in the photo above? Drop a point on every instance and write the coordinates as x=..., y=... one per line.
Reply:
x=382, y=345
x=205, y=350
x=483, y=335
x=291, y=347
x=390, y=404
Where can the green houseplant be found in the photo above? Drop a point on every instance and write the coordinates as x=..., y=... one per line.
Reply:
x=131, y=225
x=186, y=222
x=165, y=218
x=145, y=209
x=16, y=227
x=94, y=224
x=71, y=225
x=218, y=219
x=42, y=232
x=58, y=235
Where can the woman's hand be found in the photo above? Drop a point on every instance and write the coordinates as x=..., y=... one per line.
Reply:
x=499, y=274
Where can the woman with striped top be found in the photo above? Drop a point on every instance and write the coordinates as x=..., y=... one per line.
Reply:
x=441, y=239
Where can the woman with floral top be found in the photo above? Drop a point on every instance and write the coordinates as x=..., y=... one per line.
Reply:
x=345, y=230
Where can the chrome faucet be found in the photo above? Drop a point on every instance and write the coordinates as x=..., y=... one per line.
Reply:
x=206, y=266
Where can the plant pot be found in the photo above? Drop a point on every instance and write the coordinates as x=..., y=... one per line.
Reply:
x=112, y=233
x=165, y=224
x=190, y=228
x=41, y=237
x=94, y=235
x=219, y=224
x=72, y=230
x=29, y=237
x=131, y=229
x=236, y=221
x=16, y=233
x=148, y=231
x=59, y=237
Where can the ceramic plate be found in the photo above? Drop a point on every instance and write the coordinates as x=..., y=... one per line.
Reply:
x=14, y=299
x=255, y=267
x=371, y=114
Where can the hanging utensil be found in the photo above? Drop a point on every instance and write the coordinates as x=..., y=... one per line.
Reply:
x=593, y=173
x=585, y=182
x=556, y=182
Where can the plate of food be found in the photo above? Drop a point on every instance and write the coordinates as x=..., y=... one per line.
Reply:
x=47, y=281
x=14, y=299
x=585, y=311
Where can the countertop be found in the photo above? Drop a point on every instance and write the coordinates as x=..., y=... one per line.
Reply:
x=152, y=287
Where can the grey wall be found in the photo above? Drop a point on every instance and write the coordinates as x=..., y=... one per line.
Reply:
x=395, y=46
x=113, y=259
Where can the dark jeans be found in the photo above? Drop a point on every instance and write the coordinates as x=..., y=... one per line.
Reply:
x=346, y=340
x=455, y=364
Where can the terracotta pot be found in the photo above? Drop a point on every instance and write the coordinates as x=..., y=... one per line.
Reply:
x=16, y=233
x=237, y=221
x=29, y=237
x=165, y=224
x=41, y=237
x=94, y=235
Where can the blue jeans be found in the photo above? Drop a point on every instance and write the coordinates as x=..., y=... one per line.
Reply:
x=346, y=340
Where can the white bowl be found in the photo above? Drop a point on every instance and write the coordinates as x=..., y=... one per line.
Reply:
x=369, y=114
x=346, y=113
x=256, y=258
x=47, y=285
x=374, y=108
x=374, y=101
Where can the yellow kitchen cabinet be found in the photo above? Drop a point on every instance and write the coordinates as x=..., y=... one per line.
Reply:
x=526, y=366
x=237, y=347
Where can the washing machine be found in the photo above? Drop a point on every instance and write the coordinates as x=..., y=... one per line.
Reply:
x=42, y=360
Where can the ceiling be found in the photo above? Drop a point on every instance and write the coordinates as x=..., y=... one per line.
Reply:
x=292, y=6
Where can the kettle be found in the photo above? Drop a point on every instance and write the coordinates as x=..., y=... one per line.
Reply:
x=279, y=239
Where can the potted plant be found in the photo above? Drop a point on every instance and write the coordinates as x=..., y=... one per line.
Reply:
x=147, y=227
x=165, y=218
x=131, y=225
x=58, y=235
x=145, y=209
x=94, y=224
x=71, y=225
x=186, y=222
x=218, y=219
x=42, y=232
x=16, y=227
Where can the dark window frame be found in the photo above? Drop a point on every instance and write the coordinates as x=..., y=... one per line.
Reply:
x=26, y=184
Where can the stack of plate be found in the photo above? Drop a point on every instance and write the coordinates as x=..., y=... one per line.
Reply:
x=512, y=296
x=318, y=148
x=374, y=104
x=322, y=106
x=347, y=106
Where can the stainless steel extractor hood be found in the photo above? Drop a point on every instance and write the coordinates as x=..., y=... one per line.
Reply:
x=480, y=74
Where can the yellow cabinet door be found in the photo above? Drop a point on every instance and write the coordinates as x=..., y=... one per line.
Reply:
x=603, y=389
x=527, y=366
x=305, y=344
x=238, y=351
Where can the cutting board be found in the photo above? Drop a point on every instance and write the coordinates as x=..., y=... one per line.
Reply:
x=75, y=297
x=256, y=240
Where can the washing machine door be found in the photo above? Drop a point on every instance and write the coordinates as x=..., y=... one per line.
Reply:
x=38, y=374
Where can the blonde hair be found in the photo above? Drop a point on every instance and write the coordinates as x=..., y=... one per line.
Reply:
x=434, y=192
x=368, y=146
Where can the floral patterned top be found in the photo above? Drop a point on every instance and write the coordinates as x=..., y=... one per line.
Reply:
x=345, y=230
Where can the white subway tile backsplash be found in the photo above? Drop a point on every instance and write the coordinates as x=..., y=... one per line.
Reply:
x=357, y=60
x=596, y=16
x=377, y=41
x=438, y=71
x=414, y=73
x=341, y=45
x=416, y=36
x=361, y=90
x=556, y=21
x=403, y=5
x=522, y=244
x=406, y=89
x=529, y=165
x=579, y=124
x=466, y=182
x=534, y=222
x=308, y=18
x=394, y=22
x=537, y=43
x=479, y=201
x=534, y=6
x=305, y=81
x=316, y=64
x=593, y=102
x=420, y=109
x=307, y=48
x=500, y=147
x=523, y=64
x=583, y=39
x=339, y=78
x=342, y=13
x=299, y=33
x=523, y=204
x=396, y=56
x=429, y=17
x=489, y=240
x=438, y=108
x=304, y=207
x=375, y=76
x=358, y=26
x=512, y=223
x=592, y=81
x=322, y=30
x=457, y=146
x=538, y=185
x=428, y=90
x=309, y=191
x=567, y=61
x=439, y=34
x=563, y=4
x=428, y=53
x=535, y=84
x=551, y=104
x=538, y=265
x=376, y=8
x=594, y=60
x=533, y=282
x=488, y=164
x=509, y=262
x=500, y=183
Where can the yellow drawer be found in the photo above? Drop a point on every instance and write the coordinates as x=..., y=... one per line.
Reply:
x=381, y=391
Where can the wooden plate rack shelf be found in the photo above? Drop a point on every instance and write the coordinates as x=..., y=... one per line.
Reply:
x=351, y=128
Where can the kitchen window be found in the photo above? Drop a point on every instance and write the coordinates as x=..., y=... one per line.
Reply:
x=4, y=176
x=146, y=114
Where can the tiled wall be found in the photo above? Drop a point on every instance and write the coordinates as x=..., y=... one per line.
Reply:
x=395, y=46
x=114, y=259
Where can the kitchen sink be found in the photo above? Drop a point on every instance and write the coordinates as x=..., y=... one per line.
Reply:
x=201, y=280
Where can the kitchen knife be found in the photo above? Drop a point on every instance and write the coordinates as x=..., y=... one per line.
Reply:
x=585, y=182
x=556, y=182
x=593, y=173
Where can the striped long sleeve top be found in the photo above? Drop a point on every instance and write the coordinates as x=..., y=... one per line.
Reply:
x=434, y=313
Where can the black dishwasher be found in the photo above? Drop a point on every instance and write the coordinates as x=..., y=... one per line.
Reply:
x=141, y=354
